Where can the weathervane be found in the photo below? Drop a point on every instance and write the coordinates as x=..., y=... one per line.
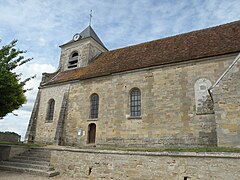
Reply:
x=90, y=18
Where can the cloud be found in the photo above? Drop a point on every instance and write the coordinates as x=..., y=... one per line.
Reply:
x=46, y=24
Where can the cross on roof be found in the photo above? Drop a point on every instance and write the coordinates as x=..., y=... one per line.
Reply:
x=90, y=18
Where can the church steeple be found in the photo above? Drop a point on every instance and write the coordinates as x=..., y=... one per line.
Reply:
x=88, y=32
x=80, y=51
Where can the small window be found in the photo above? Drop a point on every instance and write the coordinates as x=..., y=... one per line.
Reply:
x=94, y=106
x=50, y=110
x=72, y=63
x=135, y=102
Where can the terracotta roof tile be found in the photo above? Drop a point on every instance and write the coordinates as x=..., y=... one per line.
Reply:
x=209, y=42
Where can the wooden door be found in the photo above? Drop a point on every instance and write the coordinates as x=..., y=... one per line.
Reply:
x=91, y=133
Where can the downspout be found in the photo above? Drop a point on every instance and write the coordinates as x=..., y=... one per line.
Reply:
x=224, y=74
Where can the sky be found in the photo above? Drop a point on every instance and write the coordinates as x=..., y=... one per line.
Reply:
x=41, y=26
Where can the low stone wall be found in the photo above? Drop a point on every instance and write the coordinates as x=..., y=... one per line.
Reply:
x=9, y=151
x=100, y=164
x=9, y=137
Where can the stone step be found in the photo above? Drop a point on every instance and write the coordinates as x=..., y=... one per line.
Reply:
x=34, y=158
x=27, y=165
x=30, y=161
x=33, y=161
x=30, y=171
x=40, y=150
x=35, y=154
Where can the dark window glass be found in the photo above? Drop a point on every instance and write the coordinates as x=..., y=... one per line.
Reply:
x=94, y=106
x=135, y=102
x=50, y=111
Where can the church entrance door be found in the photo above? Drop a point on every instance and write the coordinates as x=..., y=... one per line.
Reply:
x=91, y=133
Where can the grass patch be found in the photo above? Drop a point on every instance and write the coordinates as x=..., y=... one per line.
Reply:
x=173, y=149
x=20, y=144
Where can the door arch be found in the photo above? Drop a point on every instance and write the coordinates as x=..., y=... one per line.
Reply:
x=91, y=133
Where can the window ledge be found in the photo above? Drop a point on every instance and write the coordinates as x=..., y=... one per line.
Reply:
x=134, y=117
x=95, y=119
x=205, y=113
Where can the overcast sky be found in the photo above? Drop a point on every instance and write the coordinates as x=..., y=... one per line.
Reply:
x=41, y=26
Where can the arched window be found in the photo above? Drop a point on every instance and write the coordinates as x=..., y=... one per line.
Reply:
x=94, y=106
x=203, y=100
x=73, y=60
x=50, y=110
x=135, y=102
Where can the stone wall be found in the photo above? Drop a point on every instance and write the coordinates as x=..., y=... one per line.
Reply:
x=45, y=131
x=87, y=49
x=226, y=96
x=169, y=116
x=94, y=164
x=9, y=137
x=9, y=151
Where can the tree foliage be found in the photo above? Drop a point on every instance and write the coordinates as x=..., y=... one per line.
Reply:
x=11, y=87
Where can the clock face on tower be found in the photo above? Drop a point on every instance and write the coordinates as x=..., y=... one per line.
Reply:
x=76, y=37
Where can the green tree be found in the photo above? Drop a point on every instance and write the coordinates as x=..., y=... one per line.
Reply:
x=11, y=87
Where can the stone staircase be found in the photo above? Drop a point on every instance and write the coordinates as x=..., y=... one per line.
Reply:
x=34, y=161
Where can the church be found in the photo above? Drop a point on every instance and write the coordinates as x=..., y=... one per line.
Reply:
x=182, y=90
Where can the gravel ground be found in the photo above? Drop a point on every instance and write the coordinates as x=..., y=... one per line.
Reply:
x=10, y=175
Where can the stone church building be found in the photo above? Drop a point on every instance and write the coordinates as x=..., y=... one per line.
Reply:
x=182, y=90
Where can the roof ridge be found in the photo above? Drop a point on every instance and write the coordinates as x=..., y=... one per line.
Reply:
x=177, y=35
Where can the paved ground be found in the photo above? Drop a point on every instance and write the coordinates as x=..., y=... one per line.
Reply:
x=10, y=175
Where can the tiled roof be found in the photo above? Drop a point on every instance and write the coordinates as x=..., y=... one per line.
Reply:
x=209, y=42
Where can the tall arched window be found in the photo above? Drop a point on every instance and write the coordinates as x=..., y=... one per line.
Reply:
x=73, y=60
x=94, y=106
x=135, y=102
x=50, y=110
x=203, y=99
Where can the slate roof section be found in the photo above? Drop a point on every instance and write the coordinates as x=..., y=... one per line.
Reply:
x=89, y=32
x=219, y=40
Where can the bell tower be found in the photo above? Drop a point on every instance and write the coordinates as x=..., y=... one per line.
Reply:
x=81, y=50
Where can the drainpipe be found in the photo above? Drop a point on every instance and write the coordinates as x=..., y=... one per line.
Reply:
x=225, y=73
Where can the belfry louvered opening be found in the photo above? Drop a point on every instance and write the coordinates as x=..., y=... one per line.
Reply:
x=73, y=60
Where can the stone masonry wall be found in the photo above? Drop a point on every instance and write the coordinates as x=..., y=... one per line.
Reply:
x=9, y=151
x=9, y=137
x=93, y=164
x=169, y=115
x=227, y=108
x=45, y=132
x=86, y=49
